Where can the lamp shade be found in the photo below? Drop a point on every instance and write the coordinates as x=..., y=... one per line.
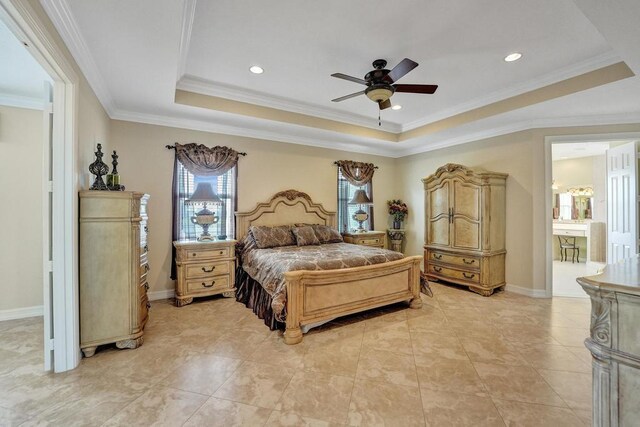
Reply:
x=204, y=194
x=360, y=198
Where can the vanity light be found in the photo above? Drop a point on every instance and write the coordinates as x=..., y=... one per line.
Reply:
x=397, y=107
x=256, y=69
x=513, y=57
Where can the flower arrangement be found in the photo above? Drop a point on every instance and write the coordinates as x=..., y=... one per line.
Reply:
x=398, y=209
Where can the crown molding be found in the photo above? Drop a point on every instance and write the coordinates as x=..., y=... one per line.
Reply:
x=599, y=61
x=188, y=16
x=60, y=14
x=9, y=100
x=313, y=138
x=206, y=87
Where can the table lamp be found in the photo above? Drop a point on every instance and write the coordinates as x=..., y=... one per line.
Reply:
x=360, y=198
x=204, y=195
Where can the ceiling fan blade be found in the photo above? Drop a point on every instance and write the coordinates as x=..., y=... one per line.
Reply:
x=353, y=95
x=351, y=79
x=416, y=88
x=384, y=104
x=400, y=70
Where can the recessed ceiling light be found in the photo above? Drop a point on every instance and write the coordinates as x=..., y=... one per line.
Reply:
x=256, y=70
x=513, y=57
x=397, y=107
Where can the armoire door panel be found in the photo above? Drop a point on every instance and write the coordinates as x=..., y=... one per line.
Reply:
x=466, y=200
x=438, y=226
x=439, y=201
x=465, y=234
x=439, y=233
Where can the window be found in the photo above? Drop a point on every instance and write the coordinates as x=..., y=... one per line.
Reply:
x=346, y=191
x=224, y=185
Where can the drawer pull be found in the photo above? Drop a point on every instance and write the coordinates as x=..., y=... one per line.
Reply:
x=204, y=285
x=437, y=256
x=470, y=276
x=437, y=269
x=209, y=271
x=468, y=261
x=220, y=253
x=194, y=254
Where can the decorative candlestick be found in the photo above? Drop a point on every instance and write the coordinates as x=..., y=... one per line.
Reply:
x=113, y=179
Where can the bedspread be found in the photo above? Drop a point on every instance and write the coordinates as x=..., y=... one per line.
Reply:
x=267, y=266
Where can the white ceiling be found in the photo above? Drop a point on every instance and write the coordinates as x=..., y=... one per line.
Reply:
x=135, y=55
x=574, y=150
x=21, y=77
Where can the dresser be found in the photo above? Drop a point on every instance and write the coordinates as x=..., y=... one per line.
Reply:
x=113, y=269
x=614, y=343
x=369, y=238
x=204, y=268
x=465, y=227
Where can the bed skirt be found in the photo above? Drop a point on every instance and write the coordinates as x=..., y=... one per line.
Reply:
x=251, y=293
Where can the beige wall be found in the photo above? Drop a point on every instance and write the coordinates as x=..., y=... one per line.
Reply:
x=21, y=148
x=146, y=165
x=573, y=172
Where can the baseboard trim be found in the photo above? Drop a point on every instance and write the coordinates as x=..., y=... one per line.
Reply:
x=533, y=293
x=165, y=294
x=21, y=313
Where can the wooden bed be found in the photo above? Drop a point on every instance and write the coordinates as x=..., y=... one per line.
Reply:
x=317, y=296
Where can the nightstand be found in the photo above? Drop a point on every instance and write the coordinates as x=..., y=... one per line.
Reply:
x=204, y=268
x=369, y=238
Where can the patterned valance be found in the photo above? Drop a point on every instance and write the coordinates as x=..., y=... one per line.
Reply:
x=201, y=160
x=357, y=173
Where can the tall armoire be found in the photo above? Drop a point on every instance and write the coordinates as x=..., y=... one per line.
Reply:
x=465, y=227
x=113, y=269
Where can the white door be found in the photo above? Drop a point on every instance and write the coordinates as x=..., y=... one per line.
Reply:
x=622, y=202
x=47, y=215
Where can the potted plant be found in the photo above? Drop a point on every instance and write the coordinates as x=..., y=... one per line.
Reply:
x=398, y=209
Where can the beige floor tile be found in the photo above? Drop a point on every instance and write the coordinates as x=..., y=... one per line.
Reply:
x=429, y=345
x=386, y=366
x=35, y=397
x=519, y=383
x=237, y=344
x=491, y=350
x=335, y=334
x=291, y=419
x=573, y=337
x=450, y=375
x=532, y=415
x=319, y=396
x=526, y=333
x=333, y=359
x=274, y=351
x=394, y=337
x=256, y=384
x=582, y=353
x=160, y=406
x=11, y=418
x=385, y=404
x=224, y=413
x=573, y=387
x=457, y=409
x=202, y=374
x=554, y=357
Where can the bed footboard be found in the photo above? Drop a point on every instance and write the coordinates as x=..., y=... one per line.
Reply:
x=313, y=296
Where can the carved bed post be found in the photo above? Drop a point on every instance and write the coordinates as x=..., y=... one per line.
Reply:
x=416, y=301
x=293, y=332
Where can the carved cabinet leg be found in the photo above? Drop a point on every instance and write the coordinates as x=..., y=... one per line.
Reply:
x=415, y=303
x=183, y=301
x=483, y=292
x=133, y=343
x=292, y=336
x=89, y=351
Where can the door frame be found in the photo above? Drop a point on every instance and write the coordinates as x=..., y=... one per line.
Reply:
x=26, y=24
x=548, y=192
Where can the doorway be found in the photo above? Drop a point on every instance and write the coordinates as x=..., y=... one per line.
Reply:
x=582, y=206
x=56, y=190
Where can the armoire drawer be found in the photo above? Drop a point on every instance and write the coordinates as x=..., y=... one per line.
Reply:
x=207, y=269
x=207, y=284
x=468, y=262
x=467, y=276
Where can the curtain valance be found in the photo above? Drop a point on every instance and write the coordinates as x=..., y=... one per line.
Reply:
x=201, y=160
x=357, y=173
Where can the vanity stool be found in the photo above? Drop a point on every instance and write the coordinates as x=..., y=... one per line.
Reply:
x=568, y=243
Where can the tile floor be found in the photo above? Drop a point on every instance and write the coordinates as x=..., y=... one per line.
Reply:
x=565, y=274
x=461, y=360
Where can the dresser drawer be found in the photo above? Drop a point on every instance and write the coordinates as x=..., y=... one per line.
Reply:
x=444, y=272
x=468, y=262
x=207, y=284
x=206, y=269
x=207, y=254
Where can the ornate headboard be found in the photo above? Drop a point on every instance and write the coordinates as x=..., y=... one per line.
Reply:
x=285, y=207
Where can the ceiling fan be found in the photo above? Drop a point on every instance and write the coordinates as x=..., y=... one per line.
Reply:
x=381, y=84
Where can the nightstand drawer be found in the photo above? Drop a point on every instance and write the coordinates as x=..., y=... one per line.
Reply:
x=207, y=269
x=207, y=284
x=372, y=241
x=207, y=254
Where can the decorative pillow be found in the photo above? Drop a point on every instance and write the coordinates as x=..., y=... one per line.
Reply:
x=327, y=234
x=271, y=237
x=305, y=236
